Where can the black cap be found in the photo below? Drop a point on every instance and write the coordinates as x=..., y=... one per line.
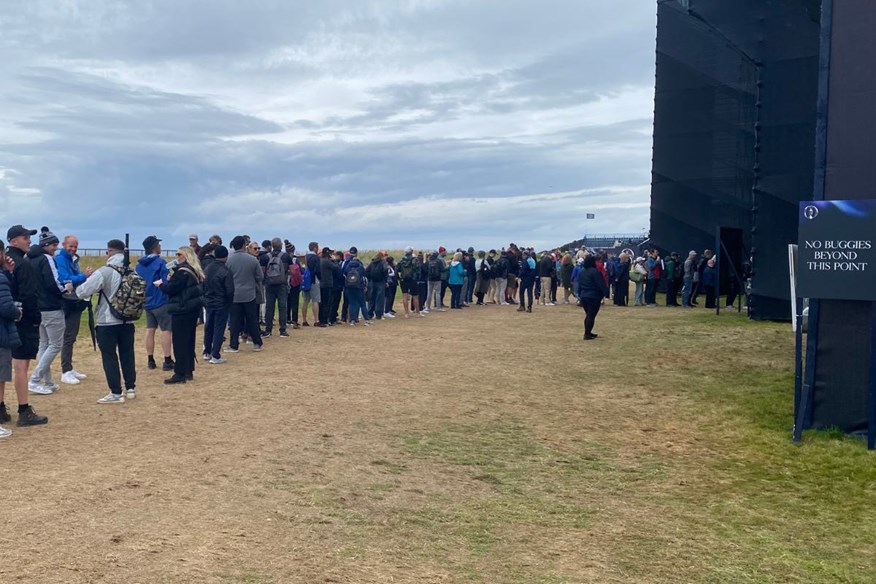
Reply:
x=220, y=252
x=18, y=231
x=149, y=243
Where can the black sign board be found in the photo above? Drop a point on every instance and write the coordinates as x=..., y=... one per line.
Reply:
x=837, y=250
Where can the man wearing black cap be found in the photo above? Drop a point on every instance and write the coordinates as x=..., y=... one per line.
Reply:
x=26, y=290
x=218, y=298
x=52, y=318
x=152, y=268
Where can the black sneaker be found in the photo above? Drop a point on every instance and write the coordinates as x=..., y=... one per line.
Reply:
x=168, y=366
x=175, y=379
x=190, y=377
x=266, y=334
x=284, y=334
x=4, y=415
x=152, y=364
x=31, y=418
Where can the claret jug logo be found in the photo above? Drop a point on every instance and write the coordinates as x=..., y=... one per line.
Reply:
x=810, y=212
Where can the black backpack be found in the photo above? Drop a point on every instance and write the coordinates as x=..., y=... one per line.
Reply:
x=275, y=272
x=353, y=278
x=434, y=270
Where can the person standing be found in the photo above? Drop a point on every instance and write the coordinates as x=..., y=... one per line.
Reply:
x=435, y=267
x=354, y=287
x=184, y=304
x=500, y=275
x=218, y=298
x=591, y=290
x=26, y=291
x=311, y=294
x=247, y=276
x=654, y=265
x=275, y=263
x=638, y=274
x=546, y=271
x=709, y=280
x=51, y=305
x=456, y=279
x=67, y=263
x=10, y=315
x=445, y=275
x=391, y=287
x=327, y=270
x=153, y=268
x=471, y=276
x=527, y=273
x=115, y=337
x=193, y=243
x=296, y=278
x=377, y=272
x=408, y=275
x=622, y=280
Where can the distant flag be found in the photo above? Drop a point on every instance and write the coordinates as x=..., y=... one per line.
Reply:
x=591, y=216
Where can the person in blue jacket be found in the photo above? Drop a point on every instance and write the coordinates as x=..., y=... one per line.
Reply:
x=455, y=280
x=67, y=263
x=354, y=289
x=591, y=290
x=152, y=268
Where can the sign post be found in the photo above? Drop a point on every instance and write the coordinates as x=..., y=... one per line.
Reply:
x=836, y=259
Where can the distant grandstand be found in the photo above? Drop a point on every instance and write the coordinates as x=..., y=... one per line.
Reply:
x=617, y=241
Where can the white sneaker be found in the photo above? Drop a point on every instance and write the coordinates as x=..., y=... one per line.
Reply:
x=38, y=388
x=78, y=375
x=257, y=349
x=218, y=361
x=230, y=350
x=207, y=356
x=388, y=315
x=367, y=323
x=424, y=311
x=51, y=386
x=550, y=304
x=248, y=341
x=504, y=304
x=407, y=315
x=5, y=432
x=423, y=314
x=70, y=379
x=440, y=310
x=130, y=393
x=112, y=398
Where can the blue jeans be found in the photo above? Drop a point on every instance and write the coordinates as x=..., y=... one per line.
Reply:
x=455, y=295
x=214, y=330
x=469, y=292
x=356, y=297
x=686, y=291
x=377, y=300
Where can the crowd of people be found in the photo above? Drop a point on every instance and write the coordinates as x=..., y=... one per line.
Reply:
x=241, y=293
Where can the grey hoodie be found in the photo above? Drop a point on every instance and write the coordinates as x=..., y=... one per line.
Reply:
x=247, y=273
x=106, y=280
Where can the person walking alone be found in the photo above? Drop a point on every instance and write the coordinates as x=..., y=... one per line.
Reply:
x=591, y=290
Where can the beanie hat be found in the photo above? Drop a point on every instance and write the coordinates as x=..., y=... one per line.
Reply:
x=220, y=252
x=47, y=237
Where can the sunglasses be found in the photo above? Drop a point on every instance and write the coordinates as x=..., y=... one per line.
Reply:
x=179, y=254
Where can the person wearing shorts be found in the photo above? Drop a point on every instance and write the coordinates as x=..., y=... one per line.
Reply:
x=152, y=268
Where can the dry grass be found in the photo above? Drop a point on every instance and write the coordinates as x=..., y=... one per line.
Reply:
x=474, y=446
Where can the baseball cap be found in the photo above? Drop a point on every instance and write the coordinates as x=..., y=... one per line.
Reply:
x=193, y=236
x=442, y=249
x=18, y=231
x=409, y=249
x=149, y=243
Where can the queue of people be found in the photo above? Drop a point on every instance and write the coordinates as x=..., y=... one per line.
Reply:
x=239, y=294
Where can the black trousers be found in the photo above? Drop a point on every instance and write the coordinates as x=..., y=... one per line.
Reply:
x=423, y=293
x=183, y=327
x=443, y=291
x=116, y=343
x=292, y=304
x=621, y=292
x=72, y=320
x=325, y=303
x=245, y=318
x=390, y=298
x=672, y=293
x=337, y=293
x=554, y=289
x=591, y=309
x=526, y=289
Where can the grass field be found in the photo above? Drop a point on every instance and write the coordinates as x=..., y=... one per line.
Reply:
x=475, y=446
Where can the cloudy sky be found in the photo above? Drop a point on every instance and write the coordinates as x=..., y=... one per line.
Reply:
x=365, y=122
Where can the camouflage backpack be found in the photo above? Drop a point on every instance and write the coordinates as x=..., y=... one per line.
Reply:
x=129, y=299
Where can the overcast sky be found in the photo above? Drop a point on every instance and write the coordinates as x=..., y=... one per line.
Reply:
x=352, y=122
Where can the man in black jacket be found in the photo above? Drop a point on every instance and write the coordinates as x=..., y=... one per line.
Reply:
x=376, y=274
x=52, y=318
x=218, y=298
x=275, y=264
x=25, y=290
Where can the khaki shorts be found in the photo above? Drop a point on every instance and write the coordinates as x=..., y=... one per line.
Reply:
x=512, y=281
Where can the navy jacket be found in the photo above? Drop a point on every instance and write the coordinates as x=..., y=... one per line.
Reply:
x=218, y=286
x=51, y=296
x=591, y=284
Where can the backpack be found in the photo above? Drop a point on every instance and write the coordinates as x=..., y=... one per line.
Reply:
x=274, y=273
x=406, y=270
x=295, y=275
x=352, y=278
x=486, y=272
x=434, y=270
x=306, y=280
x=129, y=299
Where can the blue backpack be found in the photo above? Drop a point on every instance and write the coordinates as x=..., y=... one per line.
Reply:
x=306, y=280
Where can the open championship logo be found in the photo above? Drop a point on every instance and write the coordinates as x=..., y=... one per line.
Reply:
x=810, y=212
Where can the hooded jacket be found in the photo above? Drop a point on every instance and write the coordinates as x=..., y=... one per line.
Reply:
x=152, y=268
x=68, y=268
x=25, y=288
x=355, y=264
x=377, y=271
x=104, y=282
x=9, y=313
x=457, y=273
x=52, y=293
